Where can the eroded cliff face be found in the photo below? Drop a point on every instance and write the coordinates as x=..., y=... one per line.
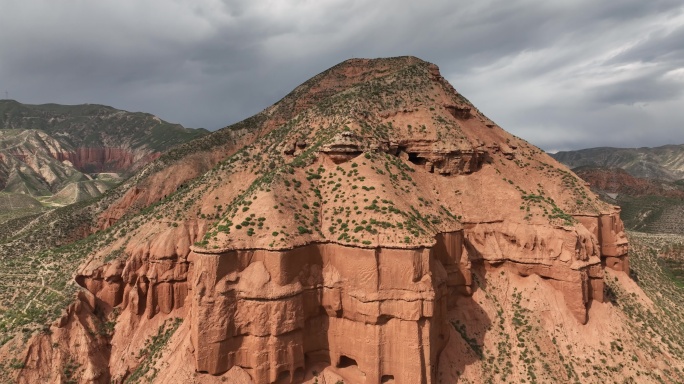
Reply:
x=151, y=280
x=382, y=311
x=75, y=346
x=62, y=151
x=342, y=240
x=317, y=303
x=106, y=159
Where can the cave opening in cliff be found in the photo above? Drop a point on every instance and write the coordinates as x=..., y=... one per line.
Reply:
x=346, y=361
x=413, y=157
x=387, y=379
x=458, y=112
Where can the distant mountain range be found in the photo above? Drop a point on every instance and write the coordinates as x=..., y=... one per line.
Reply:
x=61, y=154
x=647, y=183
x=665, y=163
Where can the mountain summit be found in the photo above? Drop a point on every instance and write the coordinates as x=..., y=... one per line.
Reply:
x=373, y=226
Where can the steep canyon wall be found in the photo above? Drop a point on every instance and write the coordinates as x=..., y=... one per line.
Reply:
x=273, y=313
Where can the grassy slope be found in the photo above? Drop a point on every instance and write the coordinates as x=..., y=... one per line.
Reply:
x=652, y=214
x=15, y=205
x=516, y=329
x=663, y=284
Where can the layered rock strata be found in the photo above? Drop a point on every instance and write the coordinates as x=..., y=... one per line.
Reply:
x=567, y=259
x=320, y=302
x=380, y=309
x=107, y=159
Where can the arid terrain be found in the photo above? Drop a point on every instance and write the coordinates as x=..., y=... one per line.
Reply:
x=648, y=205
x=55, y=155
x=645, y=182
x=373, y=226
x=663, y=163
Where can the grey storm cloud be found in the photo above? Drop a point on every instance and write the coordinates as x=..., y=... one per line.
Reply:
x=561, y=74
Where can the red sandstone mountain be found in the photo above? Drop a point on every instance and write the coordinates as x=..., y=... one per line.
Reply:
x=371, y=227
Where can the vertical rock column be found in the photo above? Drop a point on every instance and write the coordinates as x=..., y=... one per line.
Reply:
x=214, y=304
x=614, y=242
x=245, y=314
x=610, y=233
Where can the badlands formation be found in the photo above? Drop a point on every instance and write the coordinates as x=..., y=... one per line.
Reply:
x=371, y=227
x=67, y=153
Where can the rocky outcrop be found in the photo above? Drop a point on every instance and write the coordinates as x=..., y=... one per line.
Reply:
x=76, y=345
x=567, y=258
x=336, y=304
x=459, y=112
x=441, y=158
x=609, y=231
x=343, y=147
x=320, y=302
x=380, y=309
x=435, y=157
x=152, y=280
x=323, y=302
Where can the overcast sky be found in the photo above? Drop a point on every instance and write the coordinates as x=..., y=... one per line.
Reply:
x=561, y=74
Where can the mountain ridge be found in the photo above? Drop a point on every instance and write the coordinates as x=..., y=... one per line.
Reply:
x=664, y=162
x=63, y=154
x=645, y=182
x=70, y=121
